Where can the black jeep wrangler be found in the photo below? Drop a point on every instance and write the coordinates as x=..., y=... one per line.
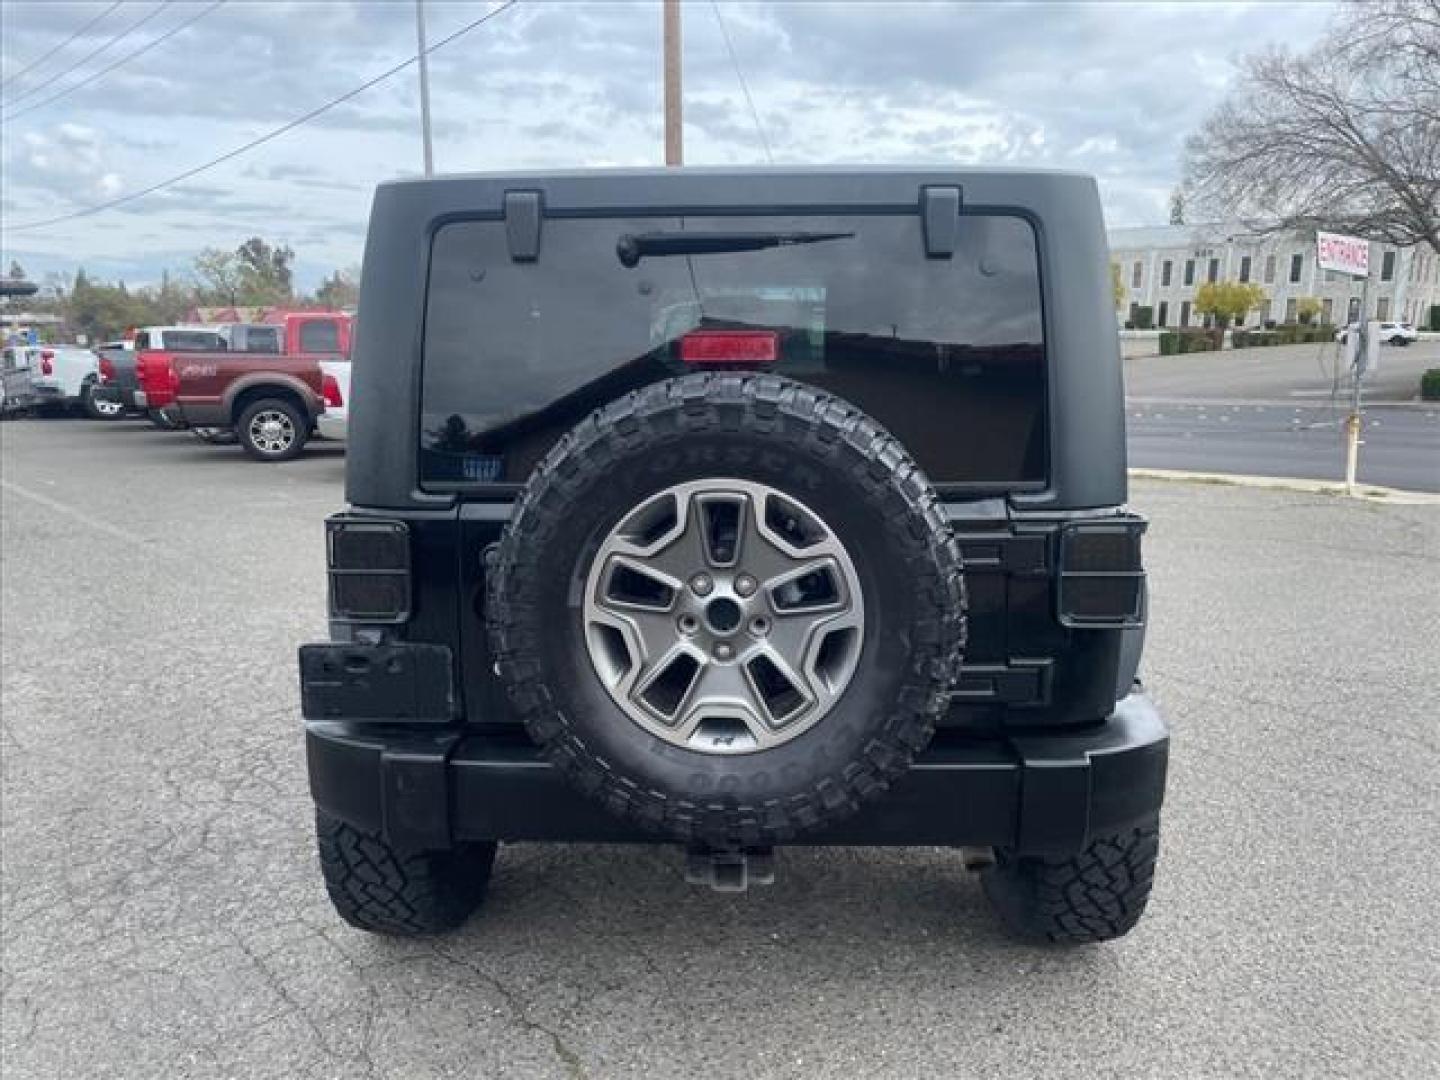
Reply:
x=737, y=508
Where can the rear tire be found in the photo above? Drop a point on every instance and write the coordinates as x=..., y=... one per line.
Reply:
x=99, y=410
x=384, y=890
x=1097, y=895
x=273, y=429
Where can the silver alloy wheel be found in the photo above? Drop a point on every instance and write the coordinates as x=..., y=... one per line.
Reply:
x=272, y=431
x=723, y=616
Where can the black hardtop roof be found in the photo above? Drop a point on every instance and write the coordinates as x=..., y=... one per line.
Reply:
x=674, y=174
x=694, y=186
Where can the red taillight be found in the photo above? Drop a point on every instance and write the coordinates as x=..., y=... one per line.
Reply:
x=107, y=370
x=330, y=391
x=47, y=362
x=156, y=374
x=730, y=347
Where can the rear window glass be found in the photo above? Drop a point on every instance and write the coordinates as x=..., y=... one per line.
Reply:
x=947, y=353
x=193, y=341
x=319, y=335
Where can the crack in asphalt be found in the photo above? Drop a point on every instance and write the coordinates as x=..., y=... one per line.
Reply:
x=520, y=1010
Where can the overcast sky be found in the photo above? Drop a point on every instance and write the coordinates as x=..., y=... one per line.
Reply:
x=1109, y=88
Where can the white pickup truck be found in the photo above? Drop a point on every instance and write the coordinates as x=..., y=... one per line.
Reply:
x=335, y=380
x=53, y=379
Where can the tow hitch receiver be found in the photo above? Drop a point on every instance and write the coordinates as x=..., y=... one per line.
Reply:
x=729, y=869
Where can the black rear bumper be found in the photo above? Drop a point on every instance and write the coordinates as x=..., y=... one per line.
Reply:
x=427, y=785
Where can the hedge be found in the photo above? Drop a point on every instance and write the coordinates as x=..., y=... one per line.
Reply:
x=1189, y=340
x=1435, y=317
x=1430, y=384
x=1289, y=334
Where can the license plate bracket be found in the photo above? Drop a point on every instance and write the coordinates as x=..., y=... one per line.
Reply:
x=400, y=683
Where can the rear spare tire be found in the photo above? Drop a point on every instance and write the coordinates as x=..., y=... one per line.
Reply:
x=729, y=608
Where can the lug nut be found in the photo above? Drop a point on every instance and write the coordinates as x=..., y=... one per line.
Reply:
x=688, y=624
x=744, y=585
x=701, y=584
x=724, y=651
x=759, y=626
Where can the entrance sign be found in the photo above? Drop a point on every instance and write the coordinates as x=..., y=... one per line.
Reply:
x=1343, y=254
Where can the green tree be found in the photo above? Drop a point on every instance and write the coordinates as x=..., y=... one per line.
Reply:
x=1226, y=300
x=218, y=275
x=1118, y=292
x=339, y=291
x=101, y=311
x=1307, y=308
x=266, y=276
x=170, y=302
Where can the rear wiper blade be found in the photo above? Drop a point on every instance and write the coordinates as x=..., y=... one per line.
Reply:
x=632, y=248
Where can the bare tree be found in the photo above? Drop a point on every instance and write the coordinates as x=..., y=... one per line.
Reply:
x=1343, y=137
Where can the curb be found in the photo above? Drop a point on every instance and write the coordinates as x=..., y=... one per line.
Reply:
x=1368, y=492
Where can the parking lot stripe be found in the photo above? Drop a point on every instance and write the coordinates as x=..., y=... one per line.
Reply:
x=79, y=515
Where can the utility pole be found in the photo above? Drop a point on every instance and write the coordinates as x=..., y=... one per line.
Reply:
x=674, y=130
x=424, y=86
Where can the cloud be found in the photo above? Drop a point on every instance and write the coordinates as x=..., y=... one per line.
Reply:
x=1108, y=88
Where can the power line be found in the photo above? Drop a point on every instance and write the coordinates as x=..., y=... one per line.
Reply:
x=744, y=86
x=90, y=55
x=51, y=52
x=123, y=60
x=267, y=137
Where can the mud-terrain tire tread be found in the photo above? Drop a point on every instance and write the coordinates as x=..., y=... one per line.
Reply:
x=377, y=888
x=706, y=404
x=1097, y=895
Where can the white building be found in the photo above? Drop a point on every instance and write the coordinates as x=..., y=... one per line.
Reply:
x=1162, y=267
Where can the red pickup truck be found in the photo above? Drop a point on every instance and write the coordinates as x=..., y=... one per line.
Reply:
x=151, y=387
x=267, y=386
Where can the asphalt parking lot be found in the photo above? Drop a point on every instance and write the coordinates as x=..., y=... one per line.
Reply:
x=162, y=914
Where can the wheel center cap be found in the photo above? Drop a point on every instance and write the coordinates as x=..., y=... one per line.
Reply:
x=723, y=615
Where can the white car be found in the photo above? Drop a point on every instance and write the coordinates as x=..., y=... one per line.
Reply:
x=1391, y=333
x=54, y=378
x=335, y=389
